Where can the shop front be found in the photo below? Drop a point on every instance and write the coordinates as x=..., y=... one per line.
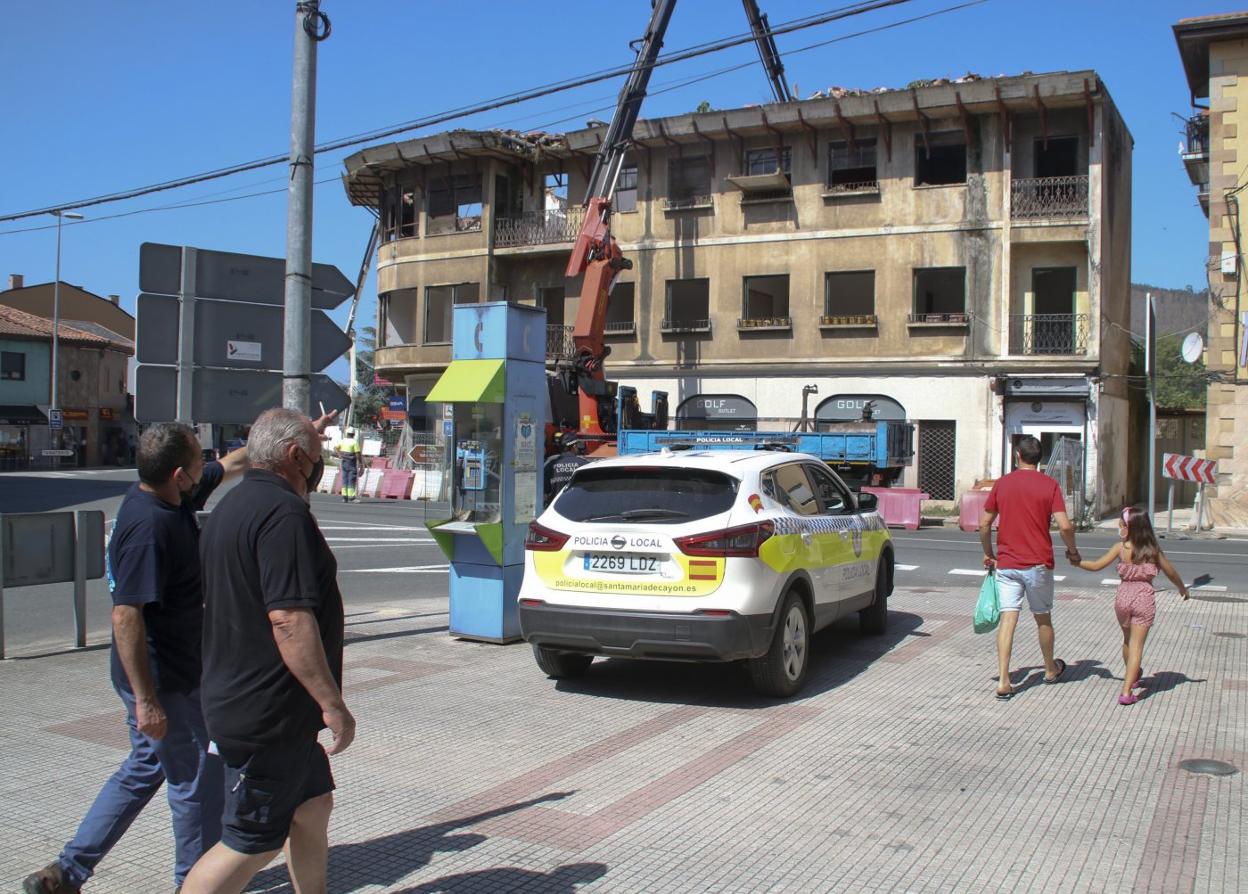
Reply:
x=15, y=435
x=1055, y=411
x=717, y=412
x=854, y=407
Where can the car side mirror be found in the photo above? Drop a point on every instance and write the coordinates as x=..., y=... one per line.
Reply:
x=867, y=502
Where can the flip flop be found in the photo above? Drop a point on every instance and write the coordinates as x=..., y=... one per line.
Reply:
x=1005, y=696
x=1061, y=669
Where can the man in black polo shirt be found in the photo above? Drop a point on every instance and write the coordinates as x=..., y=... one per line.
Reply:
x=273, y=634
x=153, y=574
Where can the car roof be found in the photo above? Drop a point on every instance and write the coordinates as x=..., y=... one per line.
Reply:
x=732, y=462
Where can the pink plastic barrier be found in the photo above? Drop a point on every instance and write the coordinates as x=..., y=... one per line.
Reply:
x=972, y=505
x=396, y=485
x=899, y=506
x=379, y=462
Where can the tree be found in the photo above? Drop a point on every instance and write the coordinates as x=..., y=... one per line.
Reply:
x=1180, y=385
x=369, y=398
x=704, y=106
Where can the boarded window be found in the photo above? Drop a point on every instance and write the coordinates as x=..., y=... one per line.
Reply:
x=850, y=293
x=852, y=167
x=940, y=160
x=940, y=290
x=438, y=303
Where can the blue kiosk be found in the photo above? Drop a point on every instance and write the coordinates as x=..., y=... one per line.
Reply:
x=496, y=398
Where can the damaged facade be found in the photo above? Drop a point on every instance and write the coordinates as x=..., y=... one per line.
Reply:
x=1214, y=51
x=958, y=253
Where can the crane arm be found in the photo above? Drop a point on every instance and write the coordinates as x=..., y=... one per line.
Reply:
x=768, y=52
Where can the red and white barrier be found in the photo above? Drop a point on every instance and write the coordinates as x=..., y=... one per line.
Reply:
x=1189, y=468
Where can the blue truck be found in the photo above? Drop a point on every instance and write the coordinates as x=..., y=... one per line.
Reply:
x=866, y=453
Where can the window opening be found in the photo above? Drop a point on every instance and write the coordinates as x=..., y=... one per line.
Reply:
x=940, y=290
x=626, y=189
x=553, y=299
x=942, y=162
x=852, y=168
x=13, y=365
x=407, y=212
x=766, y=300
x=455, y=203
x=763, y=161
x=438, y=303
x=688, y=304
x=1057, y=157
x=689, y=181
x=621, y=308
x=849, y=297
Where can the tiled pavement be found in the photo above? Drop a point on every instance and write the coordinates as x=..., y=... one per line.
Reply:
x=897, y=771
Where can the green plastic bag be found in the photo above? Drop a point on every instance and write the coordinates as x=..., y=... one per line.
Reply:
x=988, y=608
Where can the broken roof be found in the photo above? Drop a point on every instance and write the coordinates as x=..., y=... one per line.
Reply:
x=837, y=107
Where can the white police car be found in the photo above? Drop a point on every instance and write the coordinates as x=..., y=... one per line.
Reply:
x=706, y=555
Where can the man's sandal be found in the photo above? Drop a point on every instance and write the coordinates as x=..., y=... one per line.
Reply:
x=1061, y=669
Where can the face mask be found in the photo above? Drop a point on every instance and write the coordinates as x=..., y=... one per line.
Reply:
x=313, y=478
x=188, y=496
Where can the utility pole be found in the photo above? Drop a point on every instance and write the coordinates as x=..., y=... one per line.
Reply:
x=311, y=27
x=58, y=439
x=1150, y=370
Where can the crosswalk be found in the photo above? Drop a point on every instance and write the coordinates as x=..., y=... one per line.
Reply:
x=1059, y=578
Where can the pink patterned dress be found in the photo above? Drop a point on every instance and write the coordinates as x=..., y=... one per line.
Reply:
x=1136, y=602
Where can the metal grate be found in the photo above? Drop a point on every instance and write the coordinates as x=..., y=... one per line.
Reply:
x=1047, y=197
x=1050, y=333
x=937, y=458
x=1065, y=465
x=559, y=343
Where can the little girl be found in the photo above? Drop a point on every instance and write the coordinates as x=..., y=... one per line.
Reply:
x=1138, y=557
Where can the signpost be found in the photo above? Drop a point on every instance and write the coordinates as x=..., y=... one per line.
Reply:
x=1188, y=468
x=56, y=419
x=210, y=334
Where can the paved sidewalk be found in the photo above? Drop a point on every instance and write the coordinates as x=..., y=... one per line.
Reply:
x=897, y=771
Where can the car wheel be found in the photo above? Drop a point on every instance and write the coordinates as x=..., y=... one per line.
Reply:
x=782, y=670
x=561, y=665
x=873, y=620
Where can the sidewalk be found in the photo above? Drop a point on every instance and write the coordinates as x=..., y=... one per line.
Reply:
x=897, y=770
x=1182, y=526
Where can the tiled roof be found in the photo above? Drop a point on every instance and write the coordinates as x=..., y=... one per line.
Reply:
x=19, y=324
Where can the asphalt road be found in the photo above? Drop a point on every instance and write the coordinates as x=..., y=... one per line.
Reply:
x=385, y=554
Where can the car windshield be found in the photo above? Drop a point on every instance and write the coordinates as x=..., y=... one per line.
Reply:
x=656, y=496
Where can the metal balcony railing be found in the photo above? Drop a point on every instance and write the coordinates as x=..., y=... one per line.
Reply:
x=680, y=203
x=1049, y=333
x=685, y=325
x=539, y=227
x=1197, y=132
x=559, y=343
x=860, y=186
x=620, y=327
x=1049, y=197
x=939, y=319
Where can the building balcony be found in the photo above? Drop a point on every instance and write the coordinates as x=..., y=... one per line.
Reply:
x=620, y=328
x=938, y=321
x=550, y=227
x=1049, y=334
x=1049, y=198
x=1195, y=152
x=765, y=324
x=688, y=203
x=682, y=326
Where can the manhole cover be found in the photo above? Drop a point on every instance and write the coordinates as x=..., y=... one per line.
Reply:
x=1228, y=635
x=1208, y=766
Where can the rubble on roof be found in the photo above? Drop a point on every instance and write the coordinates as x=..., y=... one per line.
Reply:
x=842, y=92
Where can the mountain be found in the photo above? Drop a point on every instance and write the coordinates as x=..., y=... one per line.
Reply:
x=1179, y=311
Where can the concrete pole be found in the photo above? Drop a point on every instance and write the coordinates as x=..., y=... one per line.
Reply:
x=296, y=362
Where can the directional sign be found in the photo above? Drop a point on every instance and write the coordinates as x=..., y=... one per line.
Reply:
x=223, y=396
x=230, y=334
x=58, y=452
x=1189, y=468
x=235, y=277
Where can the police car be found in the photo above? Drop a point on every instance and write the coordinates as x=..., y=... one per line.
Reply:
x=702, y=555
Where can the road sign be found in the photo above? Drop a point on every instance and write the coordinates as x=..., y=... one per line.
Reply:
x=58, y=453
x=229, y=333
x=236, y=277
x=56, y=419
x=1189, y=468
x=223, y=396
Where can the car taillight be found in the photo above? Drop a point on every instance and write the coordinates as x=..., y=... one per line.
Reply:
x=542, y=539
x=742, y=542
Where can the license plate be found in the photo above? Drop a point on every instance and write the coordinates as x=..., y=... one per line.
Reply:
x=622, y=564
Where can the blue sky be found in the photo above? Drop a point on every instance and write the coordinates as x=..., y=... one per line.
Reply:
x=98, y=97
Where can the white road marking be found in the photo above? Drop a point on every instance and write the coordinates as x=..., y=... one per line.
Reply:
x=1215, y=588
x=405, y=569
x=1059, y=577
x=395, y=529
x=967, y=572
x=1110, y=582
x=339, y=547
x=906, y=567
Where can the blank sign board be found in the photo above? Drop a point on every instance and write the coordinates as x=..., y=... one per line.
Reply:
x=39, y=547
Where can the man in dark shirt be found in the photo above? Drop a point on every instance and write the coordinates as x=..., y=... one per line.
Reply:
x=154, y=577
x=273, y=634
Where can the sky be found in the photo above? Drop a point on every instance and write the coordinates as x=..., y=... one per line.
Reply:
x=100, y=97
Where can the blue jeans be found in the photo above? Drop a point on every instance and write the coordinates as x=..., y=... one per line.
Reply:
x=196, y=790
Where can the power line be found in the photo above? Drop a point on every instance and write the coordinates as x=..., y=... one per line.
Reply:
x=489, y=105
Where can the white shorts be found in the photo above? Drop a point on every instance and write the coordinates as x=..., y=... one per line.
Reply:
x=1036, y=583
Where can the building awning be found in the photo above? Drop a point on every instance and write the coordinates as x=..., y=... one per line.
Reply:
x=470, y=381
x=21, y=415
x=776, y=181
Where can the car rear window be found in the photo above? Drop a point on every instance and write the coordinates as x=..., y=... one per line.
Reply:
x=622, y=494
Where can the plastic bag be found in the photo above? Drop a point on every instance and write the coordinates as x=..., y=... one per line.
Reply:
x=988, y=608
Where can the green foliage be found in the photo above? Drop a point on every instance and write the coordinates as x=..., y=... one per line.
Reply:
x=704, y=106
x=369, y=398
x=1180, y=385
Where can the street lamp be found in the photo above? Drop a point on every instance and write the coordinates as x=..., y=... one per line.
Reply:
x=56, y=319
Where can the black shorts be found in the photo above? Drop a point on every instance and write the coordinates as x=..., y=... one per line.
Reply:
x=264, y=791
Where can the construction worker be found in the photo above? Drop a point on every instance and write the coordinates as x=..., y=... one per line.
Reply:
x=348, y=452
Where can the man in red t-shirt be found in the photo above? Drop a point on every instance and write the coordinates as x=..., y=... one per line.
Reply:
x=1025, y=499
